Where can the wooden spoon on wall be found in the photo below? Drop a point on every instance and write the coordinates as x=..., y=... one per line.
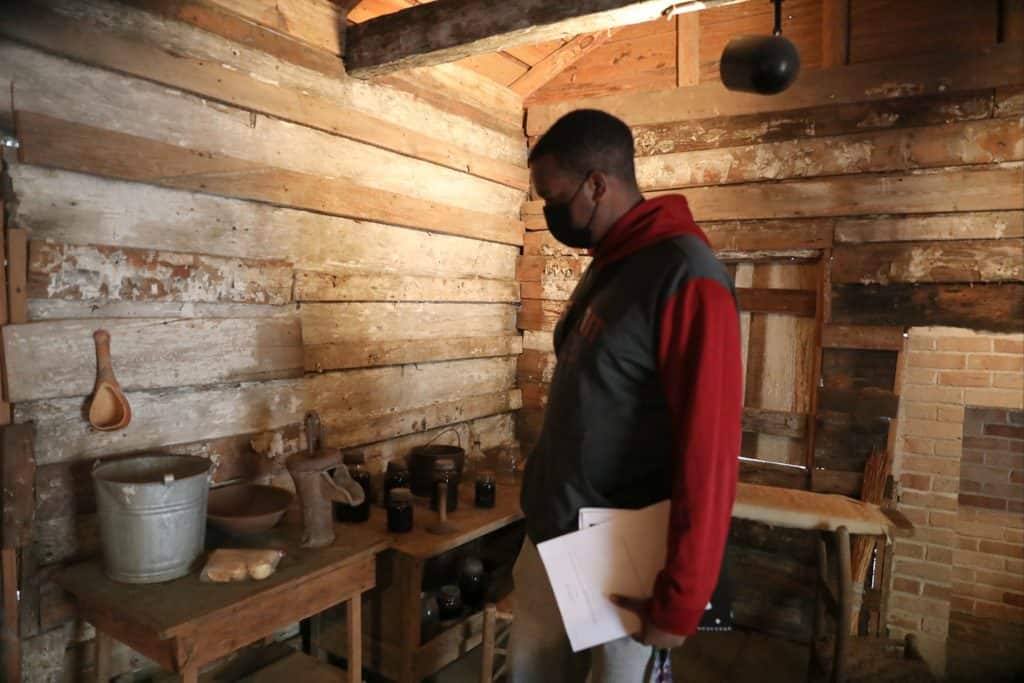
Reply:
x=108, y=409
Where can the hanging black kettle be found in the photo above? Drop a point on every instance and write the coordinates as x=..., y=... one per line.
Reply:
x=765, y=65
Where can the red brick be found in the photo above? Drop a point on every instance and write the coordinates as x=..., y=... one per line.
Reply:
x=1015, y=506
x=1000, y=459
x=980, y=530
x=1007, y=491
x=934, y=394
x=945, y=484
x=914, y=444
x=1001, y=612
x=905, y=585
x=949, y=448
x=919, y=605
x=968, y=486
x=971, y=455
x=917, y=516
x=1015, y=566
x=983, y=501
x=1008, y=380
x=913, y=551
x=930, y=590
x=945, y=520
x=920, y=482
x=910, y=623
x=1007, y=431
x=992, y=362
x=922, y=343
x=963, y=543
x=1008, y=346
x=924, y=570
x=999, y=579
x=964, y=378
x=935, y=501
x=950, y=413
x=939, y=361
x=936, y=626
x=930, y=465
x=1015, y=599
x=961, y=604
x=1009, y=398
x=945, y=537
x=982, y=443
x=975, y=344
x=1000, y=548
x=978, y=591
x=932, y=429
x=967, y=558
x=965, y=574
x=1017, y=476
x=984, y=473
x=940, y=555
x=922, y=376
x=1013, y=536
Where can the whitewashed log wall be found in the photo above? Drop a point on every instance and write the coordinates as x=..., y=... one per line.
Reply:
x=262, y=236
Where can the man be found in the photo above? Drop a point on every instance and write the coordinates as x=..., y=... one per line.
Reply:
x=644, y=405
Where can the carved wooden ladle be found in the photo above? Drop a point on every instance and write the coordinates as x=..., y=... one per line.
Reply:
x=108, y=408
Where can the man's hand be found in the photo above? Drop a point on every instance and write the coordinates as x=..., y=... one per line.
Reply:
x=649, y=633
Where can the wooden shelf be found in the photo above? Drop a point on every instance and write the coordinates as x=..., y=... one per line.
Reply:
x=471, y=523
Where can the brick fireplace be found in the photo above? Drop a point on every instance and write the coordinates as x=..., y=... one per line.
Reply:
x=959, y=582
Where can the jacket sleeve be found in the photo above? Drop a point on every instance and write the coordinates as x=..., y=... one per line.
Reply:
x=700, y=370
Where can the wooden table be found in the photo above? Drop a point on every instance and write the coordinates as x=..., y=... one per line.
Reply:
x=391, y=639
x=185, y=624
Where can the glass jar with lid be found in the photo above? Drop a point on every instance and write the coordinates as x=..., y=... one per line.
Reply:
x=445, y=473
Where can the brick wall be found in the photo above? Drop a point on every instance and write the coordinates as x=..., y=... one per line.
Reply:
x=992, y=464
x=947, y=371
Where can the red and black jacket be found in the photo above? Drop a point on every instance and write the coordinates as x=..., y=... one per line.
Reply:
x=646, y=400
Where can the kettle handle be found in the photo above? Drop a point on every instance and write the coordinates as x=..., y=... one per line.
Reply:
x=349, y=493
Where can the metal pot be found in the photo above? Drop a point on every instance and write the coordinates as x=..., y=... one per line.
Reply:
x=421, y=465
x=152, y=513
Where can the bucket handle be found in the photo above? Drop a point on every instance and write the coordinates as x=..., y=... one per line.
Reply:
x=443, y=432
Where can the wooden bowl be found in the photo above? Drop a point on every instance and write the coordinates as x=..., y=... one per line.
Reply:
x=247, y=508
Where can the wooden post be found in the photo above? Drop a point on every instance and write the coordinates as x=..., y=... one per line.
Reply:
x=835, y=33
x=17, y=263
x=103, y=647
x=354, y=619
x=687, y=49
x=410, y=571
x=845, y=616
x=11, y=635
x=1011, y=21
x=487, y=649
x=821, y=314
x=5, y=406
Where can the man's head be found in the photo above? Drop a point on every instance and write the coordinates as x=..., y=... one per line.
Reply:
x=582, y=168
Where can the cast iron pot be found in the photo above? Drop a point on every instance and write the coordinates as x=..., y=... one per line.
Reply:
x=421, y=465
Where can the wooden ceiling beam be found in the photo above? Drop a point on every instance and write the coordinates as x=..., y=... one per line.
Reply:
x=449, y=30
x=558, y=61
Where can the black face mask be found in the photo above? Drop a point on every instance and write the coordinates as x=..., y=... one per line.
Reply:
x=559, y=220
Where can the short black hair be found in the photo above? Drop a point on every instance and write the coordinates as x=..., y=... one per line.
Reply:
x=588, y=140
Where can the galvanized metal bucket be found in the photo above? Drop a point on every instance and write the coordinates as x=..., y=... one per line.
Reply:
x=152, y=512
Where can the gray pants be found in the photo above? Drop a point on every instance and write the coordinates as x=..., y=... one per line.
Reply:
x=540, y=647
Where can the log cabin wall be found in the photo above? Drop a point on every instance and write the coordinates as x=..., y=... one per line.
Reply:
x=883, y=191
x=261, y=236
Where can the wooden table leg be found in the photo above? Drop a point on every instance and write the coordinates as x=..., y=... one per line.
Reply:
x=190, y=674
x=103, y=647
x=845, y=616
x=354, y=619
x=410, y=578
x=316, y=628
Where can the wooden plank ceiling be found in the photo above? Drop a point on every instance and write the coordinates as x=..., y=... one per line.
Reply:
x=660, y=54
x=509, y=67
